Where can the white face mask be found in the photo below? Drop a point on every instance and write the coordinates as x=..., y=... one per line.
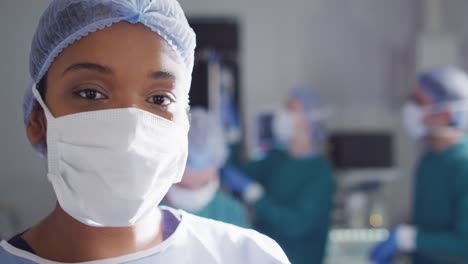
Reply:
x=284, y=125
x=192, y=200
x=109, y=168
x=413, y=117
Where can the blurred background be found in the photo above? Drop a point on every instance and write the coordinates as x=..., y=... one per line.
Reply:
x=361, y=56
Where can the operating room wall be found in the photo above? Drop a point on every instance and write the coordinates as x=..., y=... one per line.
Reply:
x=455, y=23
x=359, y=54
x=23, y=181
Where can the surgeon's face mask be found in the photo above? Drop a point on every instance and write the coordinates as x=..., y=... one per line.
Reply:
x=193, y=200
x=413, y=120
x=284, y=123
x=109, y=168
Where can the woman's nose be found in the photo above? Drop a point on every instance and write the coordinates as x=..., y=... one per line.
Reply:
x=128, y=100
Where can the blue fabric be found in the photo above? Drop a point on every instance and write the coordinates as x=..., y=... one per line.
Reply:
x=170, y=224
x=308, y=98
x=385, y=251
x=7, y=258
x=18, y=242
x=234, y=180
x=445, y=84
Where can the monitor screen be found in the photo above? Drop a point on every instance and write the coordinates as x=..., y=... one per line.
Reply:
x=361, y=150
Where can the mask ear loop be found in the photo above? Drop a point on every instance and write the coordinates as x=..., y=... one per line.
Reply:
x=38, y=98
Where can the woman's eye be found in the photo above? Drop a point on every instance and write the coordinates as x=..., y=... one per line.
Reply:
x=160, y=100
x=91, y=94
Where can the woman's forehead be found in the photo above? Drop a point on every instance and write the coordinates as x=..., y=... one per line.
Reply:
x=122, y=45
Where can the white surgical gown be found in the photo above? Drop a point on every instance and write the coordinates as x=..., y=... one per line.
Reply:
x=196, y=240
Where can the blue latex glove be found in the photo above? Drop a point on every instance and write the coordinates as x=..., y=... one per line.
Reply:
x=235, y=181
x=385, y=251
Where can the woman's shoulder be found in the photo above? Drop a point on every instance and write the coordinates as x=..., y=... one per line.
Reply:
x=232, y=241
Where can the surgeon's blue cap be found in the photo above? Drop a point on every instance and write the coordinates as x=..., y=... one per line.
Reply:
x=445, y=85
x=207, y=143
x=66, y=21
x=308, y=98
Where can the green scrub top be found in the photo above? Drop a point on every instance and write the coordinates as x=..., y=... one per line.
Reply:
x=227, y=209
x=296, y=207
x=441, y=206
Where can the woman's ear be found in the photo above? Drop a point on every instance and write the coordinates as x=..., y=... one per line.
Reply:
x=36, y=128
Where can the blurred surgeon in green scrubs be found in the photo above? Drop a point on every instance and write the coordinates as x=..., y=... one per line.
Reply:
x=436, y=115
x=199, y=191
x=291, y=190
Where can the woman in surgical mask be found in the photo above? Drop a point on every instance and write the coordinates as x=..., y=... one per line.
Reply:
x=291, y=190
x=199, y=191
x=107, y=108
x=436, y=116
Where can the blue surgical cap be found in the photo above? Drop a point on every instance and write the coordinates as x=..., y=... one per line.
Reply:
x=308, y=98
x=207, y=144
x=445, y=85
x=66, y=21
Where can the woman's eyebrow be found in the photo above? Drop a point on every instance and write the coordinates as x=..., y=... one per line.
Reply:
x=88, y=66
x=163, y=75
